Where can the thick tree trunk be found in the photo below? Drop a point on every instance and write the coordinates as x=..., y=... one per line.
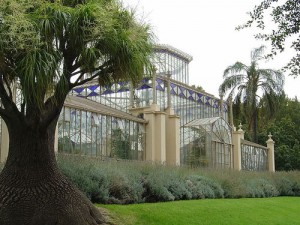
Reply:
x=32, y=189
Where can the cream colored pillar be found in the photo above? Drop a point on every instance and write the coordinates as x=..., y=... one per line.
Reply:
x=172, y=138
x=271, y=158
x=155, y=134
x=160, y=137
x=4, y=142
x=236, y=139
x=150, y=136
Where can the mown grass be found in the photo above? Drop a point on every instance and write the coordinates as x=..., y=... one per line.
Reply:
x=244, y=211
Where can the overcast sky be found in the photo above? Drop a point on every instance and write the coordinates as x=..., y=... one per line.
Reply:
x=206, y=30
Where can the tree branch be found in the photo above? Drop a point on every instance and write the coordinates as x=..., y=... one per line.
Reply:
x=4, y=114
x=80, y=76
x=90, y=78
x=5, y=99
x=10, y=109
x=85, y=80
x=103, y=69
x=8, y=86
x=83, y=71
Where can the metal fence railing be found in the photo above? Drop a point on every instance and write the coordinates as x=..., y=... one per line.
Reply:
x=254, y=157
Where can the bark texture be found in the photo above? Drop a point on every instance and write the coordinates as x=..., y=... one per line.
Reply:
x=32, y=189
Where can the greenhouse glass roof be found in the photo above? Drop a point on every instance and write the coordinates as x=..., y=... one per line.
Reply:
x=217, y=127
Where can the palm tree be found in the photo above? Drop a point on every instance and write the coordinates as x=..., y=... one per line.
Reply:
x=46, y=49
x=247, y=85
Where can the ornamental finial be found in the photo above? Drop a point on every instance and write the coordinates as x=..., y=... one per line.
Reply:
x=270, y=136
x=240, y=127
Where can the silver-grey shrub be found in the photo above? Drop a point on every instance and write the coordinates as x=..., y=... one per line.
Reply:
x=124, y=182
x=91, y=180
x=203, y=187
x=260, y=188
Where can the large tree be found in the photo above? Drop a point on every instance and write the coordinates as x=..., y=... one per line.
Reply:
x=47, y=48
x=283, y=27
x=286, y=131
x=246, y=85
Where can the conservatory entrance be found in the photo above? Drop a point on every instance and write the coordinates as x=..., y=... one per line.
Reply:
x=214, y=146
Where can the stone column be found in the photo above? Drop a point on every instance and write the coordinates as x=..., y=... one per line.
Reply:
x=237, y=136
x=160, y=137
x=271, y=159
x=156, y=134
x=172, y=139
x=150, y=136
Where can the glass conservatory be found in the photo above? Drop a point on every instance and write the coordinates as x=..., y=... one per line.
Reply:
x=97, y=120
x=162, y=119
x=88, y=128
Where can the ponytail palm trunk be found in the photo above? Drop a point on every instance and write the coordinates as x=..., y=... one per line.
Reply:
x=32, y=189
x=46, y=49
x=248, y=85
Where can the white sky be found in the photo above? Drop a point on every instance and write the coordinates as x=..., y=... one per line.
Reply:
x=206, y=30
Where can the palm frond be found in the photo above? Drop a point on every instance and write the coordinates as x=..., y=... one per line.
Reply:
x=231, y=82
x=256, y=54
x=274, y=77
x=236, y=68
x=37, y=71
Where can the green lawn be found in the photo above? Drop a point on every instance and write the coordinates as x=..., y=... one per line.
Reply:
x=253, y=211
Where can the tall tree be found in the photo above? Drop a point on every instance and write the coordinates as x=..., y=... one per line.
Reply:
x=285, y=27
x=248, y=84
x=286, y=133
x=46, y=49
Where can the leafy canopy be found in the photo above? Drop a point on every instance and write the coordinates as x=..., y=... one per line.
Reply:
x=285, y=16
x=286, y=133
x=50, y=47
x=247, y=85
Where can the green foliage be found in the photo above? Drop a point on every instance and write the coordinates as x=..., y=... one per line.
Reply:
x=288, y=185
x=285, y=17
x=285, y=129
x=198, y=88
x=156, y=187
x=247, y=85
x=50, y=47
x=120, y=144
x=137, y=182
